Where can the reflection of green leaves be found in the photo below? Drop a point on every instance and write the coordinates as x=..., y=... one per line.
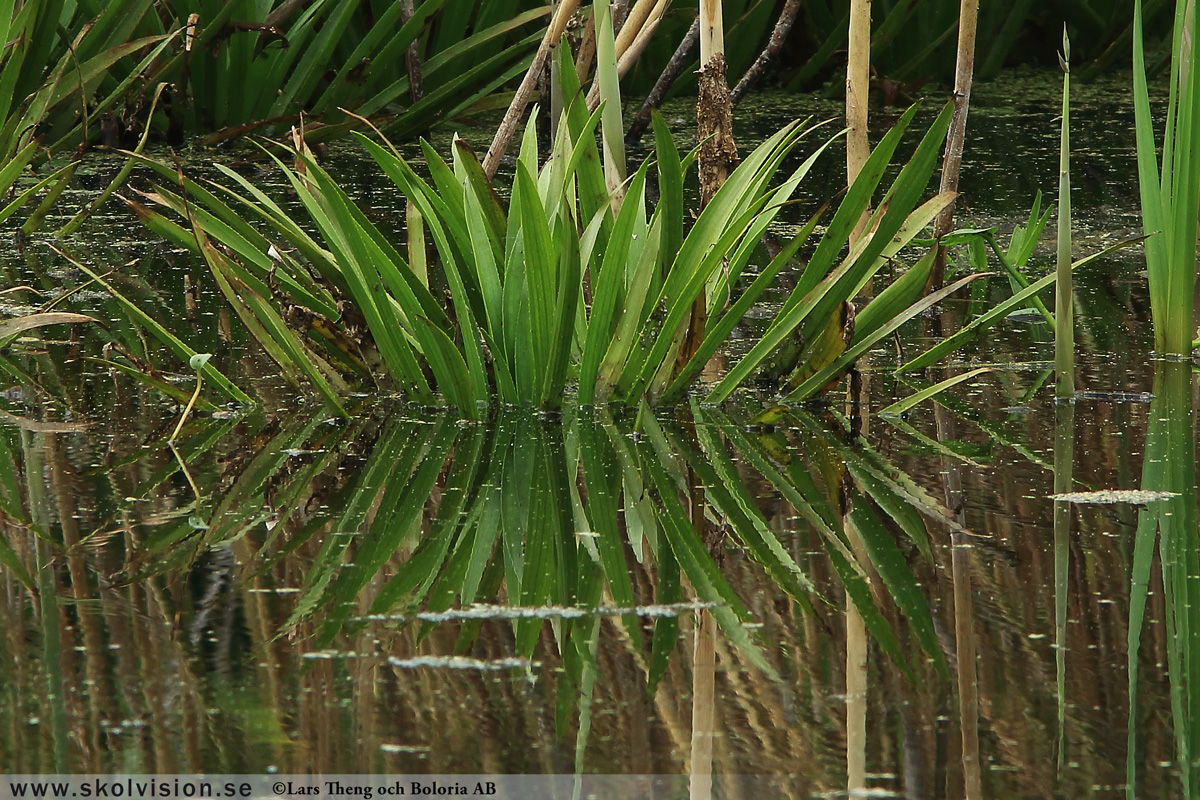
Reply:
x=1170, y=466
x=696, y=562
x=397, y=446
x=602, y=478
x=398, y=515
x=731, y=497
x=887, y=490
x=902, y=586
x=554, y=519
x=903, y=405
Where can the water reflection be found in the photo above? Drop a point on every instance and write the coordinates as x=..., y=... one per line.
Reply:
x=406, y=593
x=1169, y=468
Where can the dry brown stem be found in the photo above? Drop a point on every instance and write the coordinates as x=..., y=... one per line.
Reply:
x=554, y=32
x=783, y=26
x=952, y=163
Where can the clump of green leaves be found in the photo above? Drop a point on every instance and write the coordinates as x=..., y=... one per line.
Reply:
x=1170, y=191
x=519, y=323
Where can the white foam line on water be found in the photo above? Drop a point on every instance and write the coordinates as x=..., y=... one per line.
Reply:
x=461, y=662
x=494, y=612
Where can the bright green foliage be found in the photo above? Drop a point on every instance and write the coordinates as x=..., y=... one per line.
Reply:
x=1171, y=188
x=829, y=280
x=573, y=279
x=519, y=324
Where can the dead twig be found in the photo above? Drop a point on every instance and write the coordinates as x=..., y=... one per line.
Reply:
x=504, y=134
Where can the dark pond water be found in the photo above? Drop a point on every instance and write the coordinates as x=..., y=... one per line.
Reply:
x=641, y=593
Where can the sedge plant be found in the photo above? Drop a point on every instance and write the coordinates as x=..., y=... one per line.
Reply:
x=520, y=324
x=559, y=286
x=1170, y=189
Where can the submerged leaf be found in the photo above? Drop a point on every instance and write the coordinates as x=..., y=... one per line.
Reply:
x=12, y=327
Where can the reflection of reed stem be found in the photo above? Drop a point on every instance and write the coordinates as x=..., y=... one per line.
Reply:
x=704, y=658
x=55, y=688
x=964, y=618
x=1064, y=460
x=856, y=699
x=71, y=503
x=856, y=665
x=703, y=706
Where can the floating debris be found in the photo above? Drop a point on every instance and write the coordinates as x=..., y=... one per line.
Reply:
x=492, y=612
x=461, y=662
x=404, y=748
x=1111, y=496
x=1116, y=397
x=1026, y=315
x=1017, y=410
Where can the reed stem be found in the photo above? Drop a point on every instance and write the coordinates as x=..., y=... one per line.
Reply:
x=1064, y=330
x=858, y=79
x=968, y=16
x=714, y=131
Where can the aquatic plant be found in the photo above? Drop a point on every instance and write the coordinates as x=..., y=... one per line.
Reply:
x=74, y=74
x=516, y=278
x=63, y=72
x=1064, y=329
x=964, y=74
x=1170, y=189
x=1025, y=292
x=251, y=64
x=566, y=539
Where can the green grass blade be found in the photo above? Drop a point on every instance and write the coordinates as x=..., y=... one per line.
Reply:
x=904, y=405
x=453, y=377
x=976, y=326
x=540, y=276
x=608, y=285
x=400, y=515
x=173, y=343
x=670, y=189
x=823, y=376
x=268, y=327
